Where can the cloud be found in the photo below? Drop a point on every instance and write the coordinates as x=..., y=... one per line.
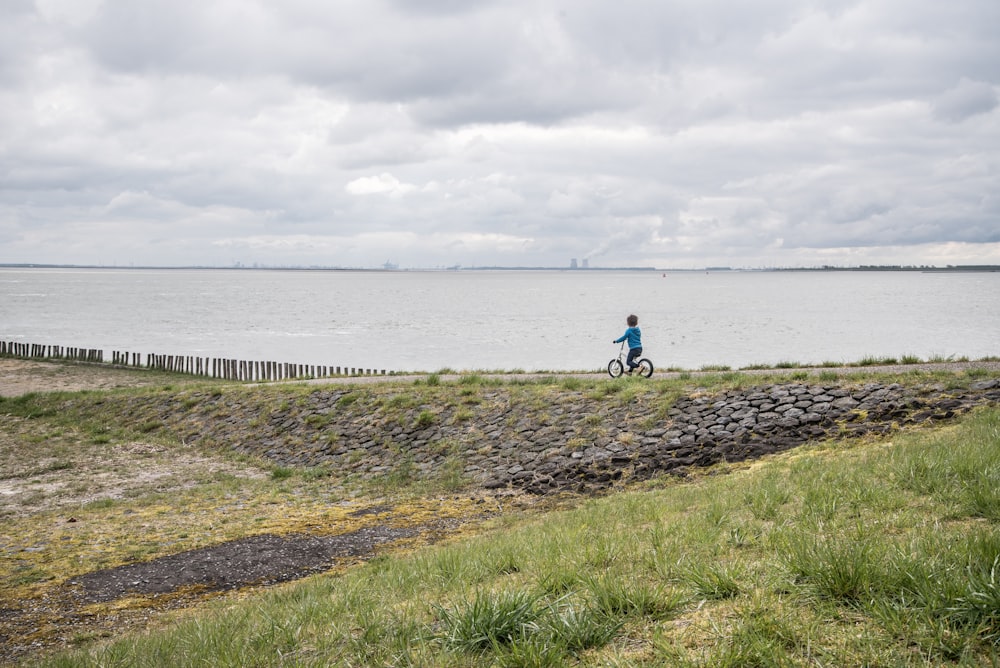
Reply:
x=384, y=183
x=966, y=99
x=524, y=133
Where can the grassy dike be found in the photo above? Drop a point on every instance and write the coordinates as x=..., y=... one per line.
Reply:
x=880, y=552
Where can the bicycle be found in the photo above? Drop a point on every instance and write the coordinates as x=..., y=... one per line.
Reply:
x=616, y=367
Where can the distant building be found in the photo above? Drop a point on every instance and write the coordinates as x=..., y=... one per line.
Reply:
x=572, y=263
x=586, y=263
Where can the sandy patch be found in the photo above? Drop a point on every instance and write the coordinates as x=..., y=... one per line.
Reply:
x=86, y=475
x=19, y=377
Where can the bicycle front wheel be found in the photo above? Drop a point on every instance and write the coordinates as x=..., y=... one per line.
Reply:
x=615, y=368
x=645, y=368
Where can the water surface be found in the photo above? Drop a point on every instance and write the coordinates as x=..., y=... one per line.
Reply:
x=530, y=320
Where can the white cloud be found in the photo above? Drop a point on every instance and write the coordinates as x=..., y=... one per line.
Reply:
x=384, y=183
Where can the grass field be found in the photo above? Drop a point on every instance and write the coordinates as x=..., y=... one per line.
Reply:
x=876, y=552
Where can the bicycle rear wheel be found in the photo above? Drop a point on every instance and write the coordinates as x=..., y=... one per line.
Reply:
x=615, y=368
x=645, y=368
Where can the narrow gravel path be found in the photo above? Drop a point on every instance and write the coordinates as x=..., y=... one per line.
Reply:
x=953, y=367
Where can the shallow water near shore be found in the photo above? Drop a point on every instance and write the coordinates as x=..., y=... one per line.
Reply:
x=529, y=320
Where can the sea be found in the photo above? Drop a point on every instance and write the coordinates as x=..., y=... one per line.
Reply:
x=488, y=320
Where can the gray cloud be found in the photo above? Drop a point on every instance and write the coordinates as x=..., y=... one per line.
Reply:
x=684, y=133
x=966, y=99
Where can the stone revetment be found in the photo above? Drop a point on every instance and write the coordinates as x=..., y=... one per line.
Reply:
x=496, y=437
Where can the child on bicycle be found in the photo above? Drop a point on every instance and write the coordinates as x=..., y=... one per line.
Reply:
x=634, y=337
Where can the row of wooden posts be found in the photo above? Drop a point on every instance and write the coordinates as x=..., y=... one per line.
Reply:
x=213, y=367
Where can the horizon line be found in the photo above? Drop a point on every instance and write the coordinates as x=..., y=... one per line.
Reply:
x=455, y=268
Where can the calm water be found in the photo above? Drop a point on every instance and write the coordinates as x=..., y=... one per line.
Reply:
x=404, y=321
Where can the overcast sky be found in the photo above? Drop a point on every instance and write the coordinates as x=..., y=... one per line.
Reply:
x=666, y=133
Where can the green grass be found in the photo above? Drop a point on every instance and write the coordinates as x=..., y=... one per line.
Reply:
x=840, y=553
x=715, y=367
x=282, y=472
x=425, y=419
x=871, y=360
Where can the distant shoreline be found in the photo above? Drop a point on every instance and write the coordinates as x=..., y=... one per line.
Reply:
x=575, y=270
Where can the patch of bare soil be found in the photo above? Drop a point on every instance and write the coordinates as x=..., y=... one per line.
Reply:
x=255, y=560
x=19, y=377
x=79, y=475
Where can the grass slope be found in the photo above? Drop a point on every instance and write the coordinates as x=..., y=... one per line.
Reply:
x=875, y=552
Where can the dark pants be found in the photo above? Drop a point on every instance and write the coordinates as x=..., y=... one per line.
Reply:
x=632, y=354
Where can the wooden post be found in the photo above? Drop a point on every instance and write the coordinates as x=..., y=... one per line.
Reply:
x=215, y=367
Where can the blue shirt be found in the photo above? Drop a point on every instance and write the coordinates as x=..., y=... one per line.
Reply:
x=634, y=337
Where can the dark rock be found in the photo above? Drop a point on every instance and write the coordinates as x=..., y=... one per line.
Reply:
x=509, y=445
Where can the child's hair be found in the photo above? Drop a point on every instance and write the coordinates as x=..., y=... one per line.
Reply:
x=632, y=320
